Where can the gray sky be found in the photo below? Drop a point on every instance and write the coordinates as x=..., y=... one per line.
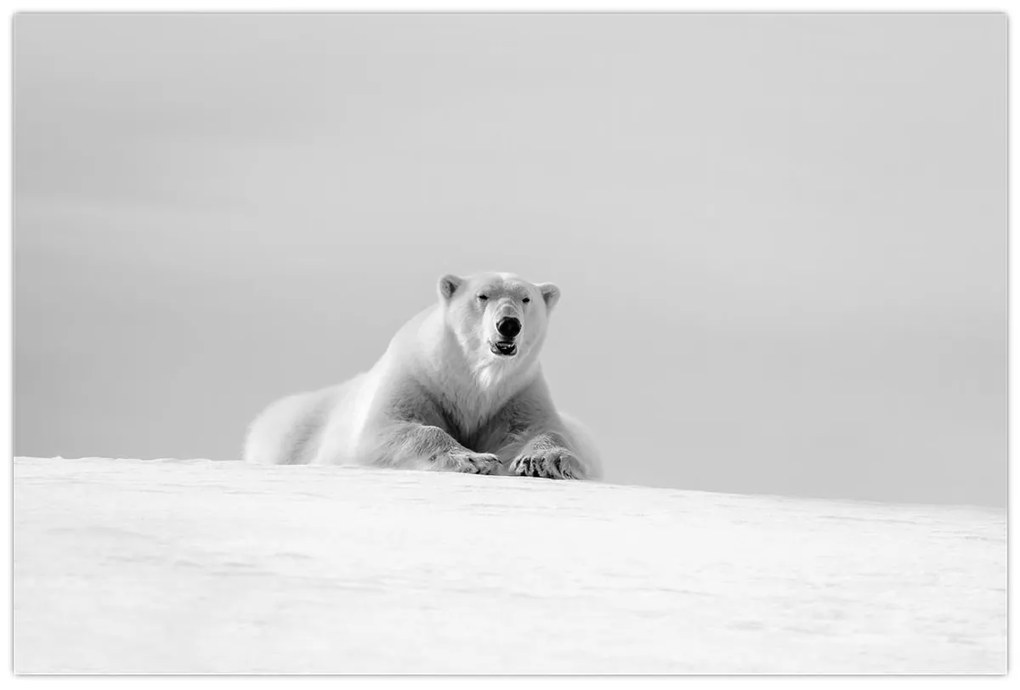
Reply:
x=781, y=239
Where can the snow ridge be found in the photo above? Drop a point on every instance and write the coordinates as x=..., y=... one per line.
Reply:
x=169, y=566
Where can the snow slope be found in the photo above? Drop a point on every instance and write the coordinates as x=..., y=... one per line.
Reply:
x=133, y=566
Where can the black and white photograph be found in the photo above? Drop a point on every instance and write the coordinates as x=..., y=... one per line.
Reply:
x=509, y=343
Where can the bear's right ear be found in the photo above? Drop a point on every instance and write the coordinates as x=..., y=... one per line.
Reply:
x=448, y=285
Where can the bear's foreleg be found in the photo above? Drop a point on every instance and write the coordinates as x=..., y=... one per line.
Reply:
x=422, y=446
x=548, y=454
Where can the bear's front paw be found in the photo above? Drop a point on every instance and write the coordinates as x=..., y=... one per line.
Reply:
x=554, y=463
x=468, y=462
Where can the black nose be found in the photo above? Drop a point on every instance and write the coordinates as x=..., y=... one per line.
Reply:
x=508, y=327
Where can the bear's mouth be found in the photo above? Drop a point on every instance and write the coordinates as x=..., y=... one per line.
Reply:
x=503, y=348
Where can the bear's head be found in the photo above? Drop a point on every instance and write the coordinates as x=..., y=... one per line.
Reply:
x=498, y=319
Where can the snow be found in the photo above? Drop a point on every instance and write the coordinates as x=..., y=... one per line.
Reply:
x=175, y=566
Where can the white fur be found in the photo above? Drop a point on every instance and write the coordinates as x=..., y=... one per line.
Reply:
x=443, y=354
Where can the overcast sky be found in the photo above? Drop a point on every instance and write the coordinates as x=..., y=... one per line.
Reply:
x=781, y=239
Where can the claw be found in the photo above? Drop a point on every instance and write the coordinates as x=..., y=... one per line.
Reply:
x=554, y=464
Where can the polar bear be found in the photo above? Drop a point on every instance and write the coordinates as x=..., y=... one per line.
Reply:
x=459, y=389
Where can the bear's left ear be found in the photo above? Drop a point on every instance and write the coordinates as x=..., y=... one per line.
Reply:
x=448, y=285
x=550, y=293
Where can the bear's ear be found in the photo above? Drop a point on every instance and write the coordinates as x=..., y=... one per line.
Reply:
x=550, y=293
x=448, y=285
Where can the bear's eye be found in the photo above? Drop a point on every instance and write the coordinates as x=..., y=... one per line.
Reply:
x=526, y=300
x=483, y=297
